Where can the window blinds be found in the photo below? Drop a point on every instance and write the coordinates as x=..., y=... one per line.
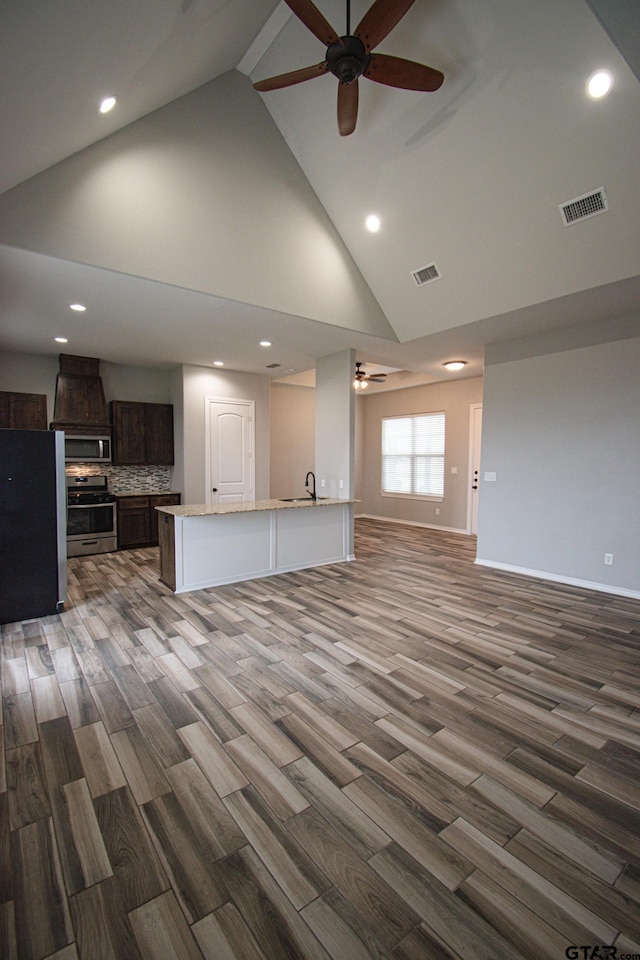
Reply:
x=413, y=455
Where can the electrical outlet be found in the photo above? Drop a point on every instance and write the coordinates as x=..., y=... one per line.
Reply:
x=437, y=510
x=608, y=559
x=489, y=476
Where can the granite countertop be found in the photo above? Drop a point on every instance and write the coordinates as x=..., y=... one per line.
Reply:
x=146, y=493
x=249, y=506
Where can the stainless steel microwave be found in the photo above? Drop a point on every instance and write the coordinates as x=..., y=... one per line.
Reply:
x=87, y=449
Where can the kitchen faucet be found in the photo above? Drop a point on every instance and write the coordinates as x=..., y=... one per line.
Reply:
x=312, y=492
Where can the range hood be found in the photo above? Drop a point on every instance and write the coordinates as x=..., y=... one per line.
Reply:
x=80, y=407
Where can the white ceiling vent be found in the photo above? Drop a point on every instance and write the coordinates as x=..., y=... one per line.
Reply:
x=425, y=274
x=589, y=205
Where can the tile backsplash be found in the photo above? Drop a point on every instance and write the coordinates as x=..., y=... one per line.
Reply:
x=150, y=479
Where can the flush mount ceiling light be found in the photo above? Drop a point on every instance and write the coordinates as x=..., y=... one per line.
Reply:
x=107, y=104
x=454, y=365
x=78, y=307
x=599, y=84
x=372, y=223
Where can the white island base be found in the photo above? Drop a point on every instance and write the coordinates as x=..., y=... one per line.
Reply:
x=207, y=546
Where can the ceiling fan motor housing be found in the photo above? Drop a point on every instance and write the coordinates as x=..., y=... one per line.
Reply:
x=347, y=59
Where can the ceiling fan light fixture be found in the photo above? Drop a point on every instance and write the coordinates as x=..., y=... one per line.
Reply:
x=453, y=365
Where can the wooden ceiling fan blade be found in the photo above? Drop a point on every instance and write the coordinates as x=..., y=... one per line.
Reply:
x=347, y=107
x=406, y=74
x=294, y=76
x=308, y=13
x=379, y=20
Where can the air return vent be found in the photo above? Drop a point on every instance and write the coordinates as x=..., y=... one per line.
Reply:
x=273, y=366
x=584, y=207
x=425, y=274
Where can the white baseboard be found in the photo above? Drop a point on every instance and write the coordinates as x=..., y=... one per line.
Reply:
x=555, y=578
x=410, y=523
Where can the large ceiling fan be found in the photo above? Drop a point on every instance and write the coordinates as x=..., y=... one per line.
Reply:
x=350, y=57
x=361, y=379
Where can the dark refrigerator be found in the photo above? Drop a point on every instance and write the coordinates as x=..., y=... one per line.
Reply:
x=33, y=524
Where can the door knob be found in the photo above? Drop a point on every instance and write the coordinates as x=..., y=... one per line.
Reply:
x=214, y=489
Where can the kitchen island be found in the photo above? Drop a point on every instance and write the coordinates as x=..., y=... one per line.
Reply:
x=207, y=545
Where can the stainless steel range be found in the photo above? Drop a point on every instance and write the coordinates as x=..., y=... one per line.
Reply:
x=91, y=516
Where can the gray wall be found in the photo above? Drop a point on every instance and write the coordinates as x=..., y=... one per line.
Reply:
x=292, y=436
x=28, y=373
x=196, y=384
x=335, y=425
x=455, y=399
x=561, y=430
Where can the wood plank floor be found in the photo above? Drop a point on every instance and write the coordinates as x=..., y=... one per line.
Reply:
x=407, y=756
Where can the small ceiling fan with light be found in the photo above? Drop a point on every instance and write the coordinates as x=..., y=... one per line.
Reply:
x=362, y=380
x=350, y=57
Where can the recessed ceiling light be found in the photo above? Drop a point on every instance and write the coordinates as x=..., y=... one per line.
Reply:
x=218, y=363
x=78, y=307
x=454, y=365
x=372, y=223
x=265, y=343
x=599, y=84
x=61, y=340
x=107, y=104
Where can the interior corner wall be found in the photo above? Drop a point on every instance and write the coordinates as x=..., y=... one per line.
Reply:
x=201, y=382
x=561, y=432
x=455, y=398
x=292, y=438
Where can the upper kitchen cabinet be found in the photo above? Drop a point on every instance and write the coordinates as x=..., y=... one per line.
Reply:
x=23, y=411
x=142, y=433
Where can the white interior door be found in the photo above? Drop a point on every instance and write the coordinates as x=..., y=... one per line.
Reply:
x=475, y=439
x=230, y=444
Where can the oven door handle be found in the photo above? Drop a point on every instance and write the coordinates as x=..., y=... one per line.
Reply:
x=88, y=506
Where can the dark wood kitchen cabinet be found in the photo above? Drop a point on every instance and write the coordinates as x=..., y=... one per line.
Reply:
x=142, y=433
x=23, y=411
x=138, y=518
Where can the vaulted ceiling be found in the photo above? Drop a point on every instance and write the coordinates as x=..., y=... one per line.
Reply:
x=200, y=216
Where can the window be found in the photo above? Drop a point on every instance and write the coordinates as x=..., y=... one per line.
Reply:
x=413, y=456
